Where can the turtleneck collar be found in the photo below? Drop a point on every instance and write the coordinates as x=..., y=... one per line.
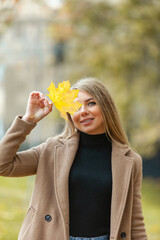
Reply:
x=94, y=140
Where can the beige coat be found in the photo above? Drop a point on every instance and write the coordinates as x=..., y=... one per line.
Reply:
x=51, y=162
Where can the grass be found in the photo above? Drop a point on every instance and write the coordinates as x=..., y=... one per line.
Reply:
x=151, y=207
x=15, y=195
x=14, y=200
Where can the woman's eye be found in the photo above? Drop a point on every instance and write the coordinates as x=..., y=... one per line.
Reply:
x=91, y=103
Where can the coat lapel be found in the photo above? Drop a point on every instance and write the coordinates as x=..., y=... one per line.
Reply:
x=64, y=157
x=121, y=173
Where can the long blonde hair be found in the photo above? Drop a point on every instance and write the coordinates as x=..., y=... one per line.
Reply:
x=112, y=122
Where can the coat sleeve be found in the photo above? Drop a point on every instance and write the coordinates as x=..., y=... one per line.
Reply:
x=138, y=231
x=13, y=163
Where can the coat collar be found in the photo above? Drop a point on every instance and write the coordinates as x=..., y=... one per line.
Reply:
x=121, y=173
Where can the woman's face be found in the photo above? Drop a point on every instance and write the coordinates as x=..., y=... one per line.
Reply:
x=88, y=118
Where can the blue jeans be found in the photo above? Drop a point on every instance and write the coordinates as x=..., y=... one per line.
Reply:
x=104, y=237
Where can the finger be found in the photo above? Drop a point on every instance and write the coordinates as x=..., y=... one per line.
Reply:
x=42, y=96
x=46, y=102
x=34, y=95
x=50, y=105
x=48, y=109
x=42, y=105
x=37, y=95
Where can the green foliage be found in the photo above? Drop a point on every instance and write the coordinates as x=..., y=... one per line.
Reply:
x=151, y=207
x=120, y=44
x=14, y=199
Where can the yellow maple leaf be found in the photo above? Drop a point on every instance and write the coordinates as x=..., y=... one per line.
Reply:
x=63, y=98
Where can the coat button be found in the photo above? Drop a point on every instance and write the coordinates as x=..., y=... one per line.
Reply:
x=48, y=218
x=123, y=235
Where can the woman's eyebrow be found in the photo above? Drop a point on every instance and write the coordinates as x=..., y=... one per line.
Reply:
x=89, y=99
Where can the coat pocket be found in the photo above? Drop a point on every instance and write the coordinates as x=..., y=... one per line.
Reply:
x=24, y=232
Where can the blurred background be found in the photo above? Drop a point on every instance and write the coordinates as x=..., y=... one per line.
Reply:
x=116, y=41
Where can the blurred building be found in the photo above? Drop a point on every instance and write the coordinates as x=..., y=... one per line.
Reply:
x=26, y=64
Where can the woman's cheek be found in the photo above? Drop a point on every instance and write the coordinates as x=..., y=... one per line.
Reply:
x=74, y=118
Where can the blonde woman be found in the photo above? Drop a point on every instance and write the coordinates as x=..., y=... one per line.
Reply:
x=88, y=179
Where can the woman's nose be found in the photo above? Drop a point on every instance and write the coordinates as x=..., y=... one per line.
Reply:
x=84, y=110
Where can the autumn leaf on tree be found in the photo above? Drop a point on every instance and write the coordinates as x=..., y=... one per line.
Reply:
x=64, y=98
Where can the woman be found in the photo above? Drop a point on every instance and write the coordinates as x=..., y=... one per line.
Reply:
x=88, y=179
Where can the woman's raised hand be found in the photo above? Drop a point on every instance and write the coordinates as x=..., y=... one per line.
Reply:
x=37, y=108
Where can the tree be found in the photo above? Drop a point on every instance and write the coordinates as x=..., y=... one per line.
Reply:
x=120, y=44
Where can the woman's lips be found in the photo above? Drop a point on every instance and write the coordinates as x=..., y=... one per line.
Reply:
x=87, y=121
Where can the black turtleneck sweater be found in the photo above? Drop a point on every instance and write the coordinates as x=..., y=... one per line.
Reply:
x=90, y=187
